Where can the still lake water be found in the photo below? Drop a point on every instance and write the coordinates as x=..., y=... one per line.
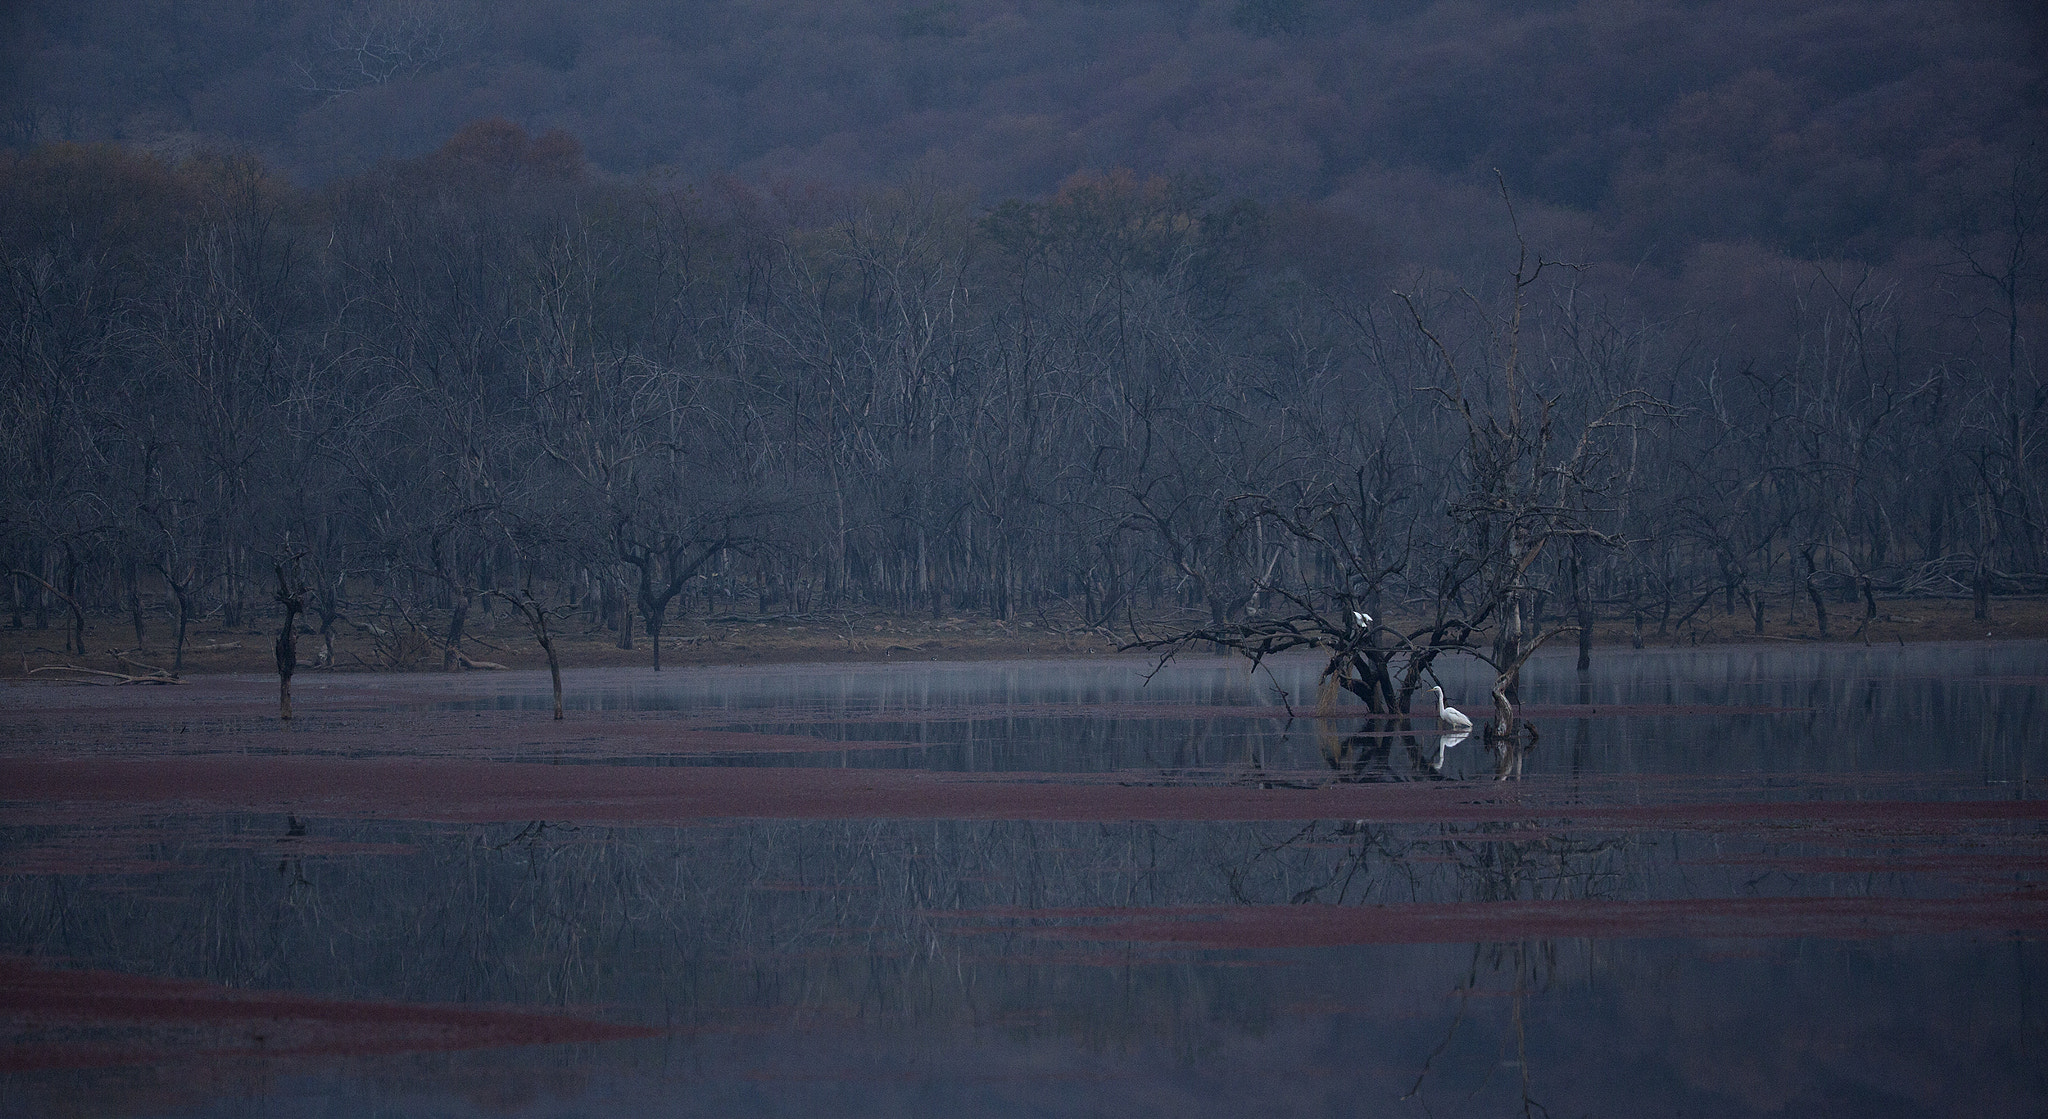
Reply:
x=1733, y=881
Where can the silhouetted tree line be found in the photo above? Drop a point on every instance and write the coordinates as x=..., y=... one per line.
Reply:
x=490, y=375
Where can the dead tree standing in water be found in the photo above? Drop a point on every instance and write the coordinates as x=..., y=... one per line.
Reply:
x=537, y=616
x=1526, y=482
x=292, y=596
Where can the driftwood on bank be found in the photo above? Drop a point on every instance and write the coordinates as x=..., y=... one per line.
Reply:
x=126, y=661
x=157, y=677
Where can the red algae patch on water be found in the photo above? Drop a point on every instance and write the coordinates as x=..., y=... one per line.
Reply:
x=112, y=848
x=78, y=790
x=65, y=1018
x=426, y=734
x=1328, y=926
x=1974, y=862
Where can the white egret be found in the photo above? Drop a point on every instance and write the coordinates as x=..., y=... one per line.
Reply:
x=1450, y=717
x=1362, y=618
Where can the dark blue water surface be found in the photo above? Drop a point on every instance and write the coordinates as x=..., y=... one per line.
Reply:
x=1729, y=882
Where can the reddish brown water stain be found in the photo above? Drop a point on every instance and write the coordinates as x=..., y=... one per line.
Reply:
x=1975, y=863
x=423, y=734
x=452, y=791
x=78, y=1018
x=1327, y=926
x=417, y=709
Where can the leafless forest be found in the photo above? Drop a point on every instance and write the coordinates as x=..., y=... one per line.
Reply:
x=1485, y=320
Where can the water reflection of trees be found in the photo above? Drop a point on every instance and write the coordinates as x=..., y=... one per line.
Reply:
x=1485, y=862
x=1385, y=863
x=849, y=916
x=1531, y=967
x=1390, y=750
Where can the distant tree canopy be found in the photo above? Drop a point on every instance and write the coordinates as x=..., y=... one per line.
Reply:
x=1821, y=128
x=493, y=368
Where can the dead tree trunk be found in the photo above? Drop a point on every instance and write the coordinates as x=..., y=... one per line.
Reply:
x=1813, y=593
x=76, y=639
x=327, y=604
x=451, y=656
x=293, y=598
x=537, y=617
x=132, y=580
x=181, y=591
x=1503, y=727
x=1583, y=603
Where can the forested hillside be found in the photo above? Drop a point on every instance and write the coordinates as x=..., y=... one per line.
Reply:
x=778, y=307
x=1824, y=128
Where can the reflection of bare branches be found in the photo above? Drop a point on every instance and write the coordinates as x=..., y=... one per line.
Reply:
x=1518, y=959
x=689, y=924
x=1367, y=755
x=1465, y=990
x=1508, y=755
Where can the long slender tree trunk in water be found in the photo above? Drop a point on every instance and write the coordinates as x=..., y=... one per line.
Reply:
x=1820, y=606
x=1584, y=603
x=537, y=617
x=231, y=591
x=547, y=645
x=450, y=657
x=293, y=599
x=287, y=660
x=184, y=599
x=1980, y=591
x=1507, y=645
x=70, y=596
x=1507, y=658
x=133, y=578
x=1503, y=728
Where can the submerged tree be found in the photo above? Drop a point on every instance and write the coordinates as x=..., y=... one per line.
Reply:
x=1528, y=462
x=291, y=595
x=1537, y=468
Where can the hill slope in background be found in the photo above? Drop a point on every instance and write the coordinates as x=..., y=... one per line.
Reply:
x=1819, y=128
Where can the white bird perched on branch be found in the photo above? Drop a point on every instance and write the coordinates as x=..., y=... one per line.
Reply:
x=1362, y=618
x=1449, y=717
